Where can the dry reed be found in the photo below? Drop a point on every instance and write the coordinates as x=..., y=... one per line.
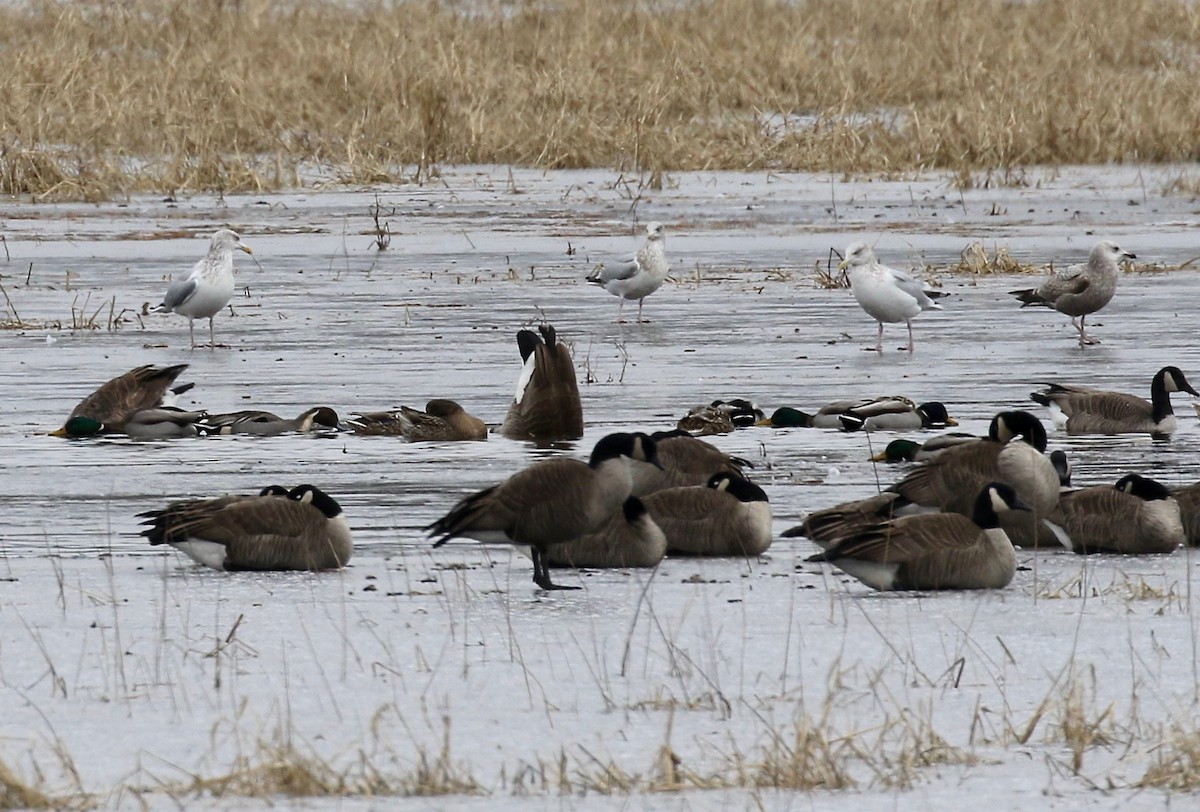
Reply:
x=103, y=99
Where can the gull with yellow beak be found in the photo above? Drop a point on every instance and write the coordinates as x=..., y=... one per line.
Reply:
x=888, y=295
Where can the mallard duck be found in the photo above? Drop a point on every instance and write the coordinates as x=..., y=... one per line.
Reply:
x=1136, y=516
x=268, y=424
x=886, y=294
x=638, y=277
x=728, y=516
x=720, y=417
x=1080, y=290
x=550, y=502
x=442, y=420
x=546, y=406
x=882, y=413
x=912, y=451
x=205, y=290
x=305, y=530
x=1084, y=410
x=163, y=423
x=629, y=538
x=686, y=461
x=106, y=410
x=933, y=550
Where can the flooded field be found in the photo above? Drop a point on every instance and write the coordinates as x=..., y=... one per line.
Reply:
x=716, y=658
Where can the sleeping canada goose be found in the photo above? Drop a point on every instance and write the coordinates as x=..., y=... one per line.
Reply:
x=550, y=502
x=686, y=460
x=729, y=516
x=629, y=538
x=639, y=276
x=912, y=451
x=163, y=423
x=546, y=406
x=1084, y=410
x=1080, y=290
x=933, y=550
x=1136, y=516
x=268, y=424
x=883, y=413
x=1188, y=498
x=442, y=420
x=886, y=294
x=205, y=290
x=108, y=408
x=304, y=531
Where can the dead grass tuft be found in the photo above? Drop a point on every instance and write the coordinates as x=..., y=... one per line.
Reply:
x=104, y=98
x=17, y=794
x=976, y=261
x=1176, y=761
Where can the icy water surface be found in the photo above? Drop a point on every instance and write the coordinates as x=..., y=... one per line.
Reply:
x=323, y=318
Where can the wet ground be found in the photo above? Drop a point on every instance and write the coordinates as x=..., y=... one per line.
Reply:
x=324, y=318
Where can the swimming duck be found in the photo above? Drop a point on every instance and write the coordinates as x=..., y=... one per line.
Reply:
x=109, y=408
x=912, y=451
x=1084, y=410
x=267, y=424
x=205, y=290
x=886, y=294
x=638, y=277
x=882, y=413
x=1080, y=290
x=302, y=530
x=551, y=502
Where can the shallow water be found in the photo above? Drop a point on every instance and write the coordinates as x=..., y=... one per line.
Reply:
x=410, y=647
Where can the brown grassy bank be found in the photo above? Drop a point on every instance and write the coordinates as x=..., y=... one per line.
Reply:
x=104, y=97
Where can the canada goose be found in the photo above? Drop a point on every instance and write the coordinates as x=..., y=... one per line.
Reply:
x=1084, y=410
x=934, y=550
x=827, y=525
x=205, y=290
x=912, y=451
x=883, y=413
x=304, y=531
x=108, y=408
x=546, y=406
x=638, y=277
x=163, y=423
x=268, y=424
x=948, y=481
x=686, y=460
x=629, y=538
x=886, y=294
x=1188, y=498
x=1136, y=516
x=442, y=420
x=729, y=516
x=550, y=502
x=1080, y=290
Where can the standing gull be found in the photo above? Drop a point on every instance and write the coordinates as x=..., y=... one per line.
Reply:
x=888, y=295
x=638, y=277
x=1080, y=290
x=208, y=287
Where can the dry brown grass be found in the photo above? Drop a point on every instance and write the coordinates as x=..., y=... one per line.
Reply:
x=17, y=794
x=105, y=98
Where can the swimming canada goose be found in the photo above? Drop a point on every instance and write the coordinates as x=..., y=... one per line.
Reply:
x=106, y=410
x=205, y=290
x=728, y=516
x=442, y=420
x=546, y=406
x=1084, y=410
x=301, y=530
x=639, y=276
x=550, y=502
x=629, y=538
x=1136, y=516
x=912, y=451
x=886, y=294
x=883, y=413
x=686, y=460
x=1080, y=290
x=267, y=424
x=933, y=550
